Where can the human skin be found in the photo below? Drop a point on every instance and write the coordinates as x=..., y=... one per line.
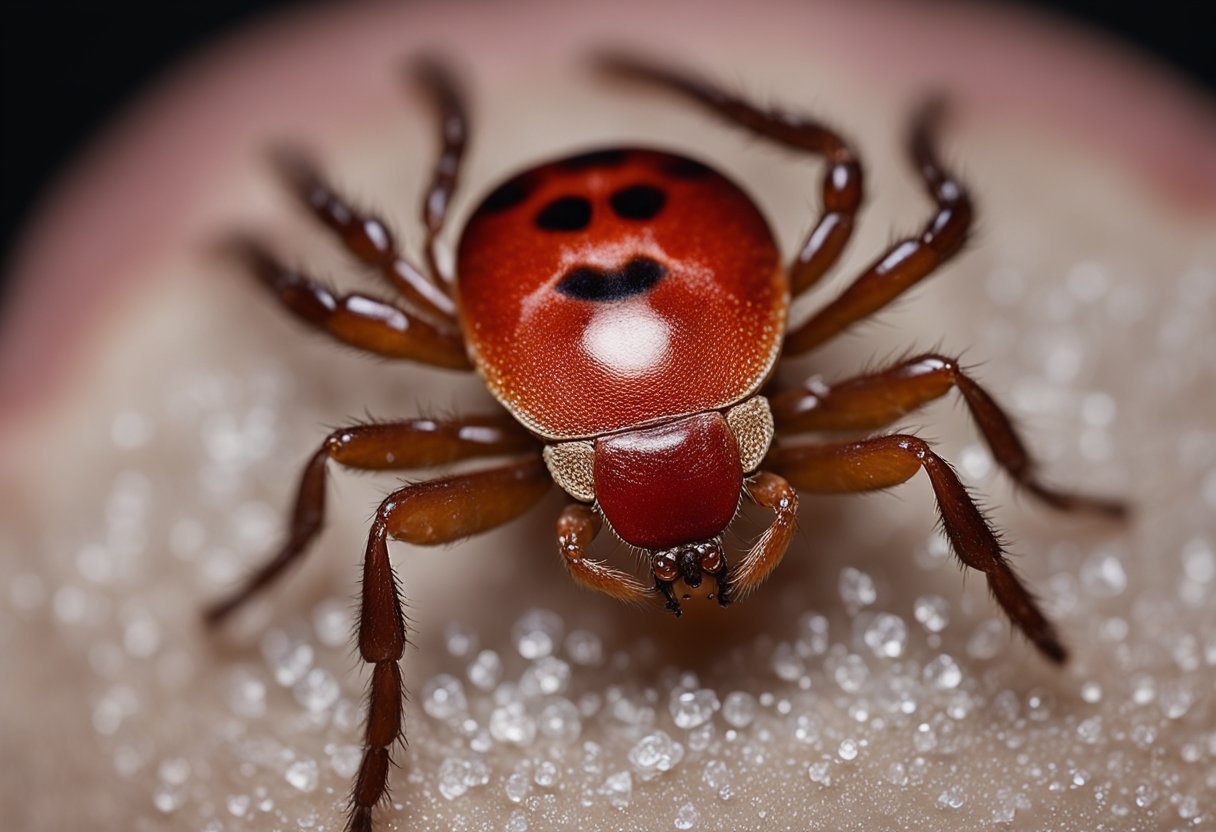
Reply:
x=155, y=407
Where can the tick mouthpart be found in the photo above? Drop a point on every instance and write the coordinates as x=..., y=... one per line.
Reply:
x=592, y=283
x=690, y=563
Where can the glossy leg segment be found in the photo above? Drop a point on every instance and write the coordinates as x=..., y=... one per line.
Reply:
x=886, y=461
x=366, y=237
x=453, y=136
x=356, y=319
x=389, y=446
x=772, y=492
x=877, y=399
x=577, y=526
x=426, y=513
x=908, y=261
x=842, y=183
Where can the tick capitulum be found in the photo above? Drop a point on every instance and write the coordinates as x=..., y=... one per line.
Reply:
x=628, y=307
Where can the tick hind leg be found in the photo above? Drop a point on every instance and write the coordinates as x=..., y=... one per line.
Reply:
x=388, y=446
x=875, y=400
x=427, y=513
x=842, y=181
x=887, y=461
x=908, y=261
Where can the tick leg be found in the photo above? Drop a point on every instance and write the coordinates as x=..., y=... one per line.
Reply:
x=908, y=261
x=426, y=513
x=358, y=320
x=390, y=446
x=886, y=461
x=365, y=236
x=877, y=399
x=453, y=136
x=842, y=182
x=577, y=526
x=773, y=492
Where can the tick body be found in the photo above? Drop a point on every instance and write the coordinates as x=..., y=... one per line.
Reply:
x=627, y=307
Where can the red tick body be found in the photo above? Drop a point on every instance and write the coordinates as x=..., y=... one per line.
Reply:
x=628, y=307
x=617, y=289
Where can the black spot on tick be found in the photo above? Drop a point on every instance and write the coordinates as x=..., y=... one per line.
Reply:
x=685, y=169
x=566, y=213
x=638, y=202
x=594, y=284
x=595, y=159
x=505, y=196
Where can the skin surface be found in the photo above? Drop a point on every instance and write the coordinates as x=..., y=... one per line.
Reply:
x=155, y=410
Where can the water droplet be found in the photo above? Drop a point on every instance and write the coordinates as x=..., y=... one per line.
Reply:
x=547, y=676
x=987, y=640
x=317, y=691
x=518, y=822
x=690, y=708
x=302, y=774
x=739, y=708
x=443, y=697
x=943, y=673
x=786, y=662
x=886, y=635
x=820, y=773
x=246, y=693
x=716, y=775
x=618, y=788
x=1102, y=575
x=537, y=633
x=560, y=721
x=459, y=639
x=517, y=787
x=848, y=749
x=851, y=673
x=933, y=612
x=511, y=723
x=655, y=754
x=584, y=648
x=812, y=634
x=546, y=774
x=485, y=671
x=686, y=816
x=952, y=798
x=331, y=620
x=856, y=588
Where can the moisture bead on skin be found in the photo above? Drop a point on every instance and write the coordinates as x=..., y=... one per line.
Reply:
x=628, y=308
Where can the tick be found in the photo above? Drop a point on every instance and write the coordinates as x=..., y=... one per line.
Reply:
x=627, y=307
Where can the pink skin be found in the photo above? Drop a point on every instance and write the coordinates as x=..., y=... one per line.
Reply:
x=146, y=188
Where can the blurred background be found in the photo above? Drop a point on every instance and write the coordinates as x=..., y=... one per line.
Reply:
x=70, y=66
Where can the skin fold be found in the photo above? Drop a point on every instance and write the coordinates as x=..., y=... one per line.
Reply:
x=155, y=410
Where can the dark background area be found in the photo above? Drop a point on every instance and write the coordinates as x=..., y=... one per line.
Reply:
x=70, y=66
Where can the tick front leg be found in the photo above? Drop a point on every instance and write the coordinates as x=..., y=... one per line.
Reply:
x=886, y=461
x=577, y=526
x=907, y=262
x=842, y=181
x=453, y=136
x=365, y=236
x=358, y=320
x=772, y=492
x=427, y=513
x=389, y=446
x=877, y=399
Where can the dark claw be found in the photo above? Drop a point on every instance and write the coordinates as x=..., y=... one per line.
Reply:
x=673, y=603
